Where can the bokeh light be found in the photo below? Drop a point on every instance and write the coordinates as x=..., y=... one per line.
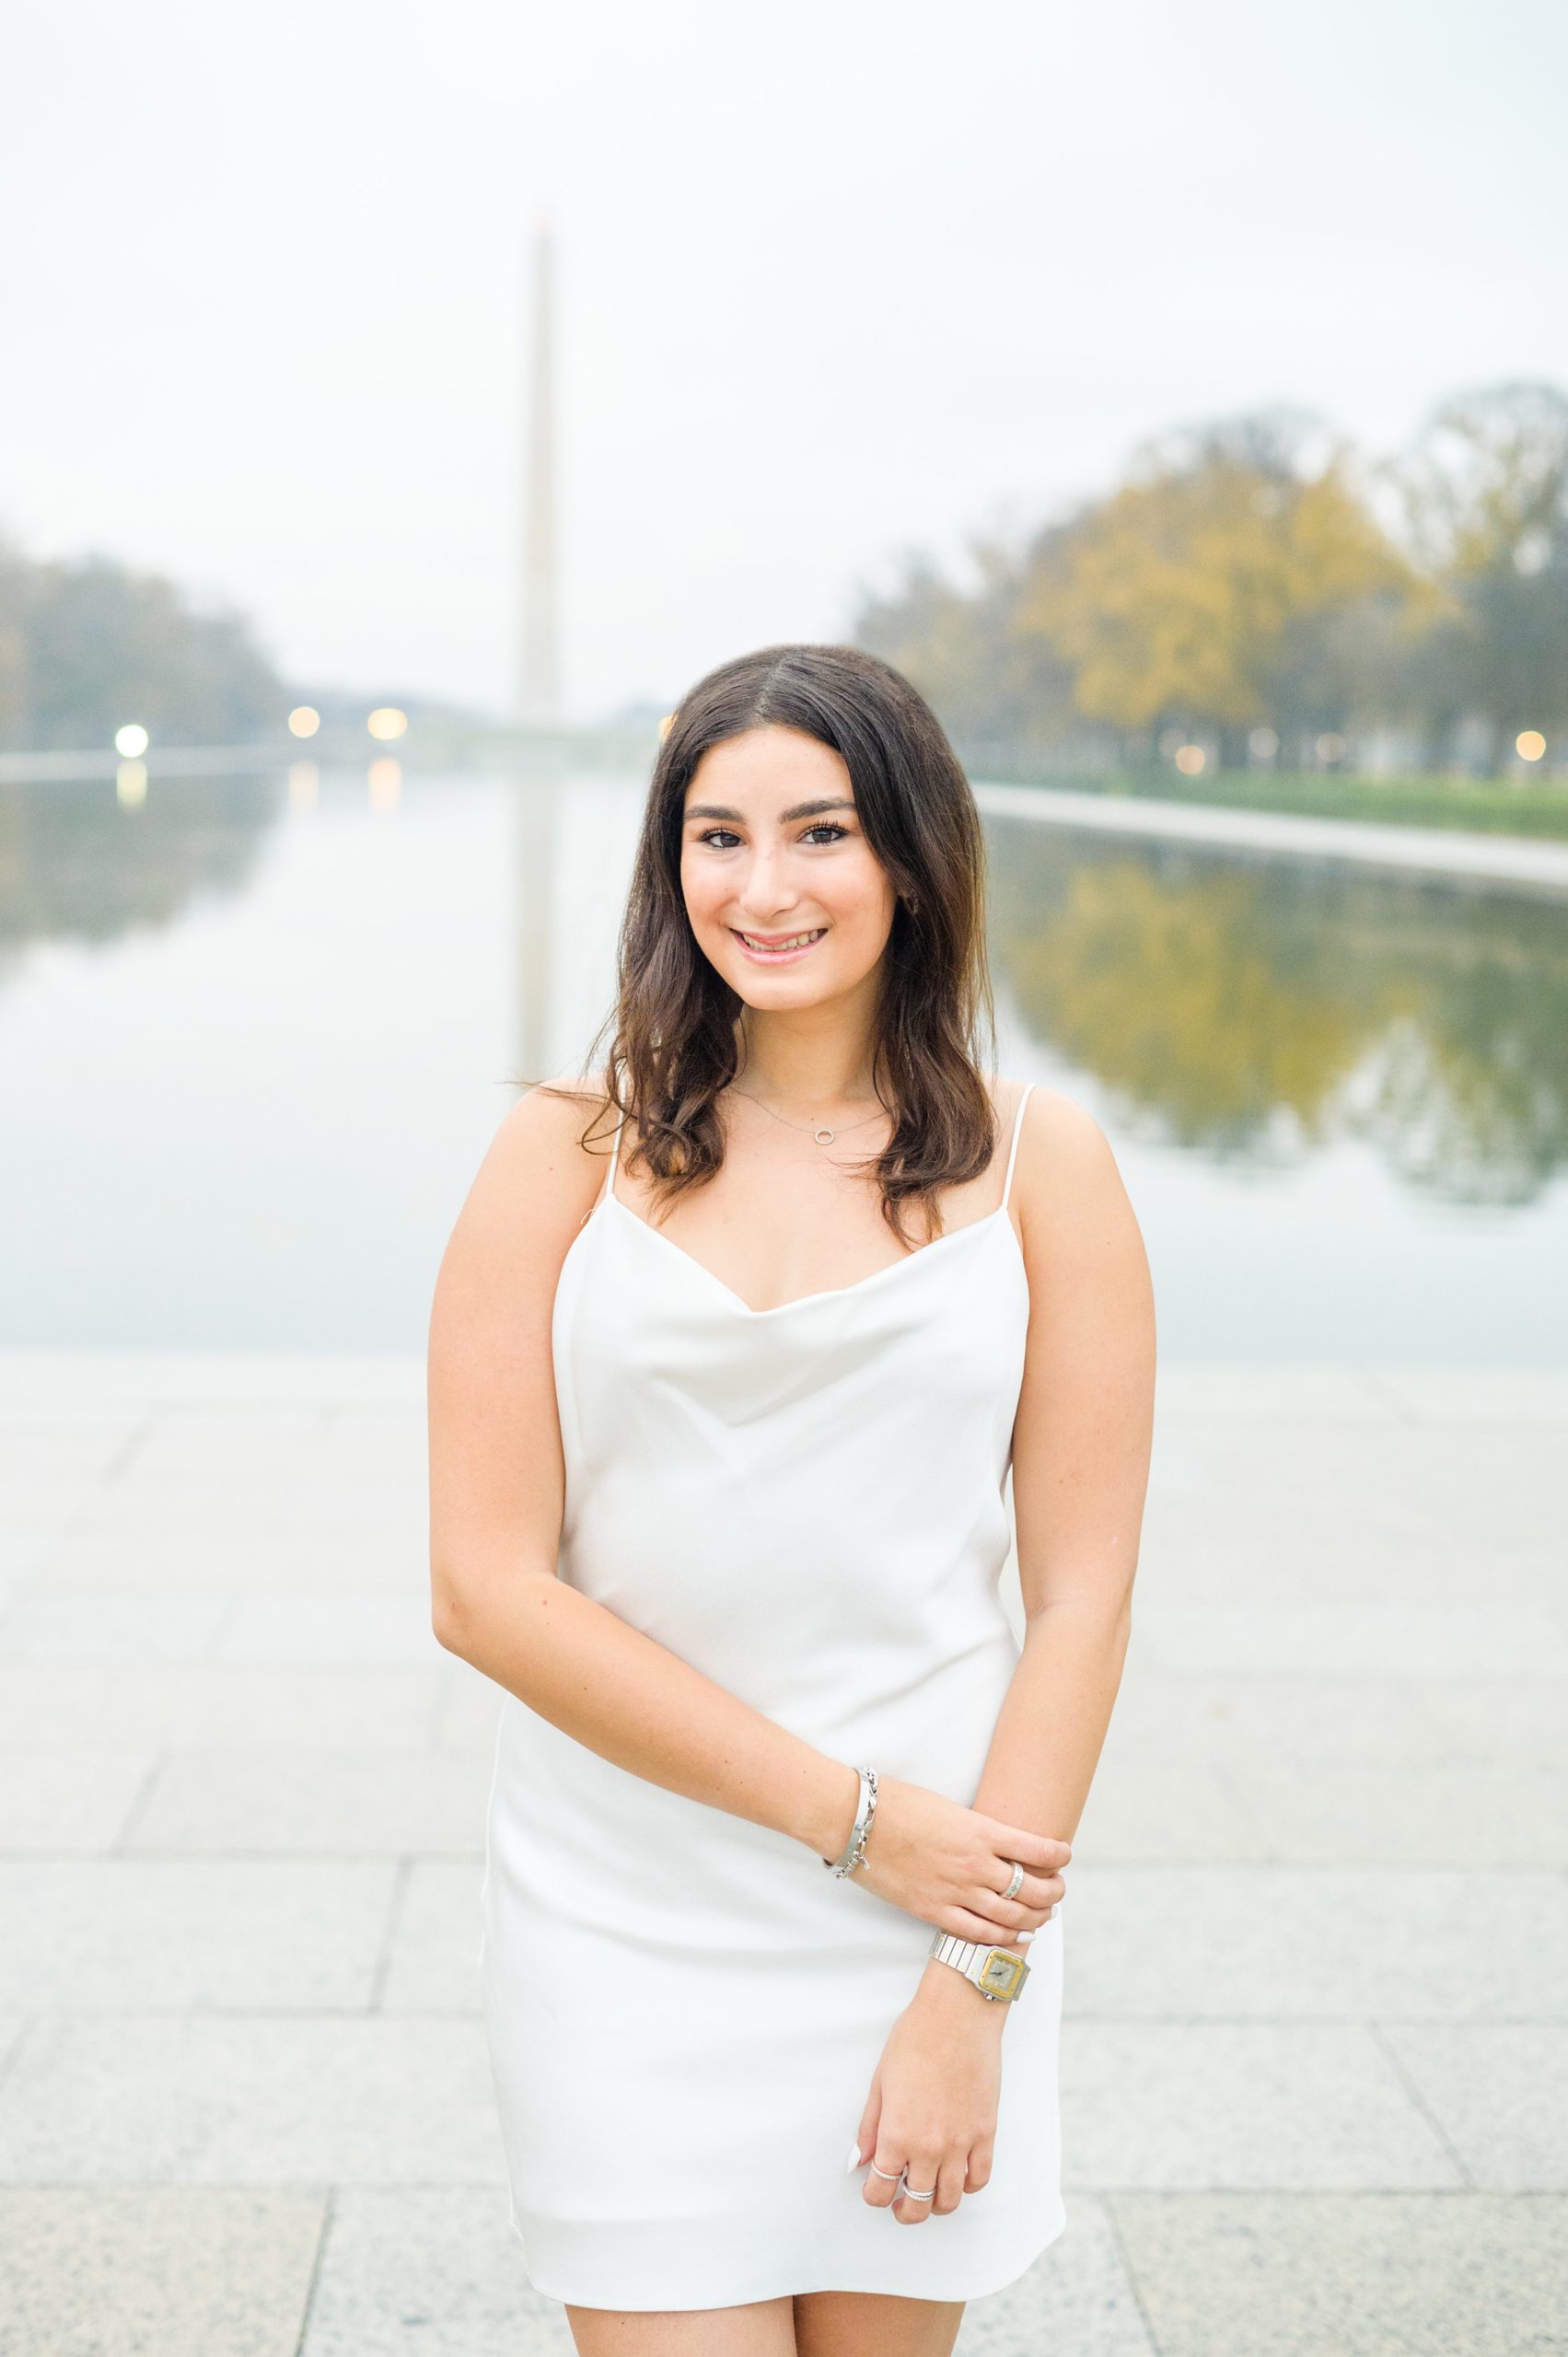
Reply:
x=1529, y=744
x=131, y=784
x=386, y=784
x=304, y=720
x=387, y=722
x=1189, y=760
x=132, y=740
x=1263, y=744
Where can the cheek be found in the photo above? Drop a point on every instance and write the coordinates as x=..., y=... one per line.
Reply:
x=701, y=892
x=859, y=899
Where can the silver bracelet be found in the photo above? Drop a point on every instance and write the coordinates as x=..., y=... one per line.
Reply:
x=854, y=1850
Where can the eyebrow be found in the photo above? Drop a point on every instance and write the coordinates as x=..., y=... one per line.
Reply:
x=786, y=817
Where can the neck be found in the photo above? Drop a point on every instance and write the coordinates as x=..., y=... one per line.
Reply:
x=813, y=1057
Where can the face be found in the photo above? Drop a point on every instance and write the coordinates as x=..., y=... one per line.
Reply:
x=771, y=850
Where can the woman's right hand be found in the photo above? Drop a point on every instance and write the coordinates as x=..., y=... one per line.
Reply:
x=949, y=1865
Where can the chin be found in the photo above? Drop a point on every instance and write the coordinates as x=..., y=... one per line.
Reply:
x=783, y=990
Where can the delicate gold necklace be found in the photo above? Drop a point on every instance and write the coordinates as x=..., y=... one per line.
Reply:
x=824, y=1136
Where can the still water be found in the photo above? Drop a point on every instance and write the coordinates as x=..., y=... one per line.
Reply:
x=254, y=1036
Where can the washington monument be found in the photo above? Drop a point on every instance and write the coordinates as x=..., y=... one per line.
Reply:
x=539, y=667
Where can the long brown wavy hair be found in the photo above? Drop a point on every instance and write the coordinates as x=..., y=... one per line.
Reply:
x=672, y=1032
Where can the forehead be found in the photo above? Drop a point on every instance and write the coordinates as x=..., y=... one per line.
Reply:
x=766, y=771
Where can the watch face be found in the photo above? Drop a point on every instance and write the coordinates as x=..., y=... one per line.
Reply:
x=1003, y=1973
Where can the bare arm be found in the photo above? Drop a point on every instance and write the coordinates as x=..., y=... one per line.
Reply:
x=497, y=1494
x=1081, y=1448
x=497, y=1497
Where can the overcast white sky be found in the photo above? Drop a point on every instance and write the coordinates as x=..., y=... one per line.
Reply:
x=836, y=280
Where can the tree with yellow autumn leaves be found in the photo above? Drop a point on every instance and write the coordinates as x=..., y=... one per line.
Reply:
x=1192, y=595
x=1253, y=581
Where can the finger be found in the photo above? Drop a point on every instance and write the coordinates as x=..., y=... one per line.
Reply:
x=870, y=2118
x=1041, y=1851
x=1000, y=1916
x=1027, y=1914
x=920, y=2173
x=970, y=1926
x=979, y=2175
x=1014, y=1923
x=882, y=2174
x=950, y=2184
x=1035, y=1890
x=1027, y=1910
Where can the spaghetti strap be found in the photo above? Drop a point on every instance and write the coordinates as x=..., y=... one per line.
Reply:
x=614, y=1160
x=1013, y=1155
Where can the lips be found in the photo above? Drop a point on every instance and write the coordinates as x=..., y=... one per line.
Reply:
x=779, y=949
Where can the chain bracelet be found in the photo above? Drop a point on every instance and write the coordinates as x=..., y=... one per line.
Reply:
x=856, y=1850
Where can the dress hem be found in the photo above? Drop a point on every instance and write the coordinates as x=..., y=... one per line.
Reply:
x=746, y=2297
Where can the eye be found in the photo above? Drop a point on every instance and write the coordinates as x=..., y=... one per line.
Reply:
x=725, y=837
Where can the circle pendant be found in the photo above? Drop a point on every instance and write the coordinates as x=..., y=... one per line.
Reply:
x=824, y=1137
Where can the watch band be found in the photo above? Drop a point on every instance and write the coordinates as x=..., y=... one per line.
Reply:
x=995, y=1973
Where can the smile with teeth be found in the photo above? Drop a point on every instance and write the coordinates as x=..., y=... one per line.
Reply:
x=760, y=948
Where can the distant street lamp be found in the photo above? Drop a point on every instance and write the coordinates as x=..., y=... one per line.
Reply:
x=386, y=723
x=304, y=720
x=132, y=740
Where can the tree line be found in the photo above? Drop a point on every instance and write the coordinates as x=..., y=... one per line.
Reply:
x=87, y=645
x=1256, y=590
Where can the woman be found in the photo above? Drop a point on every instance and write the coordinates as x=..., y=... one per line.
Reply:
x=719, y=1447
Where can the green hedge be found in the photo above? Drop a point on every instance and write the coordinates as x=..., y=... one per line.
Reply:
x=1492, y=806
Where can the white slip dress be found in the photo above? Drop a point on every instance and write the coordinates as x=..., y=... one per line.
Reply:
x=684, y=2010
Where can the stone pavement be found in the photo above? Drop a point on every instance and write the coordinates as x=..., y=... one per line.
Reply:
x=1315, y=2053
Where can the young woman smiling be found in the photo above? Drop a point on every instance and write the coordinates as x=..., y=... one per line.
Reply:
x=721, y=1431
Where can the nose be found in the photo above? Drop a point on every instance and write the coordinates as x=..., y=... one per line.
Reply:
x=766, y=890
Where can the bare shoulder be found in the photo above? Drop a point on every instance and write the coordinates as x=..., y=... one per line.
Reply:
x=1066, y=1180
x=1055, y=1123
x=495, y=1464
x=536, y=1183
x=1084, y=1259
x=558, y=1127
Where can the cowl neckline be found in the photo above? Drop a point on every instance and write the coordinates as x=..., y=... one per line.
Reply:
x=973, y=1228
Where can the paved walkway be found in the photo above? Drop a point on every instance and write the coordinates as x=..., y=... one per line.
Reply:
x=1458, y=855
x=1316, y=2045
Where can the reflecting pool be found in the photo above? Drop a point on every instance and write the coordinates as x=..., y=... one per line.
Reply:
x=254, y=1034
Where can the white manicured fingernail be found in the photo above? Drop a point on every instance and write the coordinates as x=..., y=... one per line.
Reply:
x=854, y=2161
x=1022, y=1939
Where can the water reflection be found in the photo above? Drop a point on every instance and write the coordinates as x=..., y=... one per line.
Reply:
x=1259, y=1010
x=1253, y=1011
x=92, y=861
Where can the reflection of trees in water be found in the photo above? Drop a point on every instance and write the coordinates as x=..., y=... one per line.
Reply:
x=75, y=866
x=1255, y=1009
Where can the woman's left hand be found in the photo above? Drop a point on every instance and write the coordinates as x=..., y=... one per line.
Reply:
x=932, y=2108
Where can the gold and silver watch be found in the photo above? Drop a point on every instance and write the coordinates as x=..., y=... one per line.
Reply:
x=996, y=1972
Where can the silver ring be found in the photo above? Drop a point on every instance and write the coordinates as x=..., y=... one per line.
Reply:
x=1015, y=1885
x=911, y=2195
x=892, y=2176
